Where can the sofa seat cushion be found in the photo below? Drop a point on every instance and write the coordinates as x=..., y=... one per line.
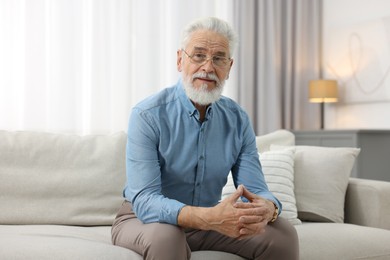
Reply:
x=47, y=242
x=59, y=242
x=342, y=241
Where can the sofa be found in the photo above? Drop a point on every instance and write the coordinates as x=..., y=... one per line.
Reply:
x=59, y=194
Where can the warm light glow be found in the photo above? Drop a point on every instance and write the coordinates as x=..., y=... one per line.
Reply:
x=323, y=91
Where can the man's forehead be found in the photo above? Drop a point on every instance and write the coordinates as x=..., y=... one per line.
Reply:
x=206, y=40
x=221, y=52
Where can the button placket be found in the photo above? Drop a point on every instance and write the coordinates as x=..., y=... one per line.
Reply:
x=201, y=164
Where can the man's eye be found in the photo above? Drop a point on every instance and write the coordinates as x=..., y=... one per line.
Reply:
x=218, y=58
x=199, y=56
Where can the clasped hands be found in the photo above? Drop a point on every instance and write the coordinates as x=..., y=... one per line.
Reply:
x=240, y=219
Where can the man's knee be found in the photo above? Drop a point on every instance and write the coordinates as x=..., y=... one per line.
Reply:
x=285, y=244
x=166, y=241
x=153, y=241
x=165, y=234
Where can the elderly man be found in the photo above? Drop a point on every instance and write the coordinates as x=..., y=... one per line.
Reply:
x=182, y=144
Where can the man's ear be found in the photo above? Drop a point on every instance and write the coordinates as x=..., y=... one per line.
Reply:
x=231, y=64
x=179, y=60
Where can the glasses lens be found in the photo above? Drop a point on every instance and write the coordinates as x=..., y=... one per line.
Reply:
x=220, y=61
x=199, y=58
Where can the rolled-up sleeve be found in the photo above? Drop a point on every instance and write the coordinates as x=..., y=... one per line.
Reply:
x=247, y=169
x=143, y=186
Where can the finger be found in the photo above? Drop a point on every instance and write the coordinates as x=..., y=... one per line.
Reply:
x=248, y=231
x=249, y=195
x=244, y=205
x=248, y=209
x=237, y=194
x=252, y=230
x=244, y=220
x=247, y=205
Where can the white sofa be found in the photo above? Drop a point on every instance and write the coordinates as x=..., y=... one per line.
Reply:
x=59, y=195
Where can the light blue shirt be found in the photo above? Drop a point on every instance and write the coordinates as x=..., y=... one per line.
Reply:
x=174, y=159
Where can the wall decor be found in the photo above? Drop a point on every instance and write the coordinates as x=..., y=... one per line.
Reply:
x=358, y=57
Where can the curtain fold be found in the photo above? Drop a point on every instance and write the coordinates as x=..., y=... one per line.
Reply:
x=71, y=72
x=279, y=53
x=79, y=66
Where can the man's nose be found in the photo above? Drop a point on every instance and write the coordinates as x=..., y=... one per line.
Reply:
x=208, y=66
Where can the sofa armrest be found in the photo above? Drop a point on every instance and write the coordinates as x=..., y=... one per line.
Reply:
x=367, y=203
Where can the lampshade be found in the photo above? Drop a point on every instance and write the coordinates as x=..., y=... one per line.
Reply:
x=323, y=91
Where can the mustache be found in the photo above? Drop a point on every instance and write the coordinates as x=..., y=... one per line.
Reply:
x=204, y=75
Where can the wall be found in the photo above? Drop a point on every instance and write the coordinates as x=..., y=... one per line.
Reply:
x=356, y=52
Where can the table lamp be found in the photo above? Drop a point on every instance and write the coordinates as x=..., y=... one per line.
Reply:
x=323, y=91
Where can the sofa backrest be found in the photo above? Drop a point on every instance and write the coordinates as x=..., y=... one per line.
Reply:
x=281, y=137
x=61, y=179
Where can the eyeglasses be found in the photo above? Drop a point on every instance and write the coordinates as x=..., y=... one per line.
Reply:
x=201, y=59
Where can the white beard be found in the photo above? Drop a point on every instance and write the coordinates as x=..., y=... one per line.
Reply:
x=202, y=95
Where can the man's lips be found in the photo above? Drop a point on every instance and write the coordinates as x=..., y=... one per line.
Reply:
x=208, y=78
x=205, y=79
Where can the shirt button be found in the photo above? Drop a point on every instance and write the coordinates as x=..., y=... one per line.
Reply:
x=201, y=158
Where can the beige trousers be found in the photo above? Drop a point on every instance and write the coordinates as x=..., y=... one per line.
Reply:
x=161, y=241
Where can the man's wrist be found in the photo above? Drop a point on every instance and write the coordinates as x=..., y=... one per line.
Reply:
x=275, y=213
x=193, y=217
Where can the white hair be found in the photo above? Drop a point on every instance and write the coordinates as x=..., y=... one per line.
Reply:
x=212, y=24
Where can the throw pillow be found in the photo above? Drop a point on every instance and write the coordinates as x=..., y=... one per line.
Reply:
x=278, y=170
x=280, y=137
x=321, y=179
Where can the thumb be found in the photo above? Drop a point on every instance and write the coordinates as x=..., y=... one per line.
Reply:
x=249, y=195
x=237, y=194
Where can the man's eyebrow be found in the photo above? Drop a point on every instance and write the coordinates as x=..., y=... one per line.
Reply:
x=218, y=53
x=200, y=49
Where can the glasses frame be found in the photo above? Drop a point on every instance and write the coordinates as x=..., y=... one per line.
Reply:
x=207, y=59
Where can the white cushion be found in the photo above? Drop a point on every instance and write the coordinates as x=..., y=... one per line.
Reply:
x=326, y=241
x=321, y=180
x=61, y=179
x=47, y=242
x=281, y=137
x=263, y=143
x=278, y=169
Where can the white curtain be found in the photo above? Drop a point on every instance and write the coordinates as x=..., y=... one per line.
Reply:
x=64, y=65
x=78, y=66
x=279, y=53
